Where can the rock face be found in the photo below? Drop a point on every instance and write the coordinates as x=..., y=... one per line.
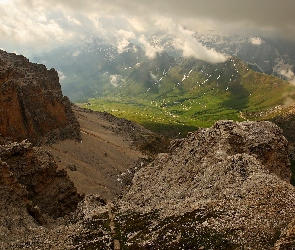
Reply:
x=225, y=187
x=31, y=102
x=49, y=191
x=13, y=205
x=32, y=191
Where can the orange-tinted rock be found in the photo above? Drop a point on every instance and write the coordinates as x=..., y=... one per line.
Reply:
x=32, y=105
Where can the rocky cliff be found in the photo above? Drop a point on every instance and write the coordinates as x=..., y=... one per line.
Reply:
x=226, y=187
x=35, y=195
x=31, y=102
x=33, y=192
x=49, y=189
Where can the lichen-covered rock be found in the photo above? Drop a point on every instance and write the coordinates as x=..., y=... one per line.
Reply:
x=14, y=219
x=225, y=187
x=31, y=102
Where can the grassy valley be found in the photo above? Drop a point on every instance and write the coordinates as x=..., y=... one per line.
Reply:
x=191, y=93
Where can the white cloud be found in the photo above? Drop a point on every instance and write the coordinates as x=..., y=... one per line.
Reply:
x=38, y=25
x=29, y=30
x=137, y=24
x=189, y=46
x=153, y=76
x=150, y=50
x=256, y=40
x=73, y=20
x=123, y=37
x=125, y=34
x=122, y=45
x=116, y=80
x=76, y=53
x=289, y=74
x=61, y=75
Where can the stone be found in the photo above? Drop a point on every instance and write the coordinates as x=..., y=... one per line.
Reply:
x=224, y=187
x=49, y=190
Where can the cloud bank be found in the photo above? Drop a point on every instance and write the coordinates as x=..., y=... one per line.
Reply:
x=31, y=26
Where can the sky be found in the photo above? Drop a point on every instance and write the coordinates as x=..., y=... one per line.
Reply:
x=33, y=26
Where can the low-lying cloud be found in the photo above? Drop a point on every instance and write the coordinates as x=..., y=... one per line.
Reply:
x=123, y=39
x=31, y=26
x=256, y=40
x=116, y=80
x=151, y=50
x=191, y=47
x=289, y=74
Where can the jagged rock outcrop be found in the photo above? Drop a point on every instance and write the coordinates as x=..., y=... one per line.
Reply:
x=31, y=102
x=40, y=207
x=49, y=190
x=33, y=195
x=225, y=187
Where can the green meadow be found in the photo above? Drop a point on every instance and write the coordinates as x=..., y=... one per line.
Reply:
x=194, y=94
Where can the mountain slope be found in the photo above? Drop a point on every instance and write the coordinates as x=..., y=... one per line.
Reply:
x=109, y=152
x=225, y=187
x=193, y=93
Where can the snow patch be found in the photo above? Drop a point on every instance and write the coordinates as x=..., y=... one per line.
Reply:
x=76, y=53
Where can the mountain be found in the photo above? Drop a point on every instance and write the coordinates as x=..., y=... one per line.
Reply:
x=264, y=54
x=85, y=69
x=223, y=187
x=111, y=150
x=191, y=93
x=33, y=111
x=98, y=151
x=173, y=95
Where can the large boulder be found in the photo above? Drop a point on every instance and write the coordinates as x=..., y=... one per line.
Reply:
x=225, y=187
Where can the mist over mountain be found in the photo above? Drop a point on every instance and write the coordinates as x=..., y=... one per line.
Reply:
x=89, y=70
